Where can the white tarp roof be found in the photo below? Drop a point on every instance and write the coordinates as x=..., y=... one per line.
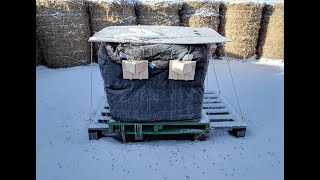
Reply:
x=158, y=35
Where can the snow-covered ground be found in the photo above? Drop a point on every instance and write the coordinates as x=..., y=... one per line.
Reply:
x=64, y=152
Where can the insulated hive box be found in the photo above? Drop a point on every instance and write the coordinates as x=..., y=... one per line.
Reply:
x=157, y=98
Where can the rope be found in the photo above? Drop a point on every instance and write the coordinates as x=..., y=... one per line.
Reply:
x=202, y=133
x=225, y=52
x=91, y=84
x=209, y=128
x=215, y=74
x=213, y=130
x=207, y=83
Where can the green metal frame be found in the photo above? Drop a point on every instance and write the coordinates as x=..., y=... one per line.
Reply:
x=155, y=128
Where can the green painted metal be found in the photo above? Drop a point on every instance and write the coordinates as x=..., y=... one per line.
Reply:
x=155, y=128
x=160, y=123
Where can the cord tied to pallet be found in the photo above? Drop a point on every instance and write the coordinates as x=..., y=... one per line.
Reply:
x=234, y=89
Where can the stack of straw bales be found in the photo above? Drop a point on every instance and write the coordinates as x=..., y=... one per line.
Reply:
x=271, y=41
x=158, y=12
x=241, y=23
x=63, y=30
x=201, y=13
x=105, y=13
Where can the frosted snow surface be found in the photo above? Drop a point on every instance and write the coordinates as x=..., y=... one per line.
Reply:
x=253, y=1
x=113, y=1
x=158, y=34
x=171, y=2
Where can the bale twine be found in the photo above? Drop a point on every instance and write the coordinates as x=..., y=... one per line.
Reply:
x=241, y=23
x=201, y=13
x=158, y=12
x=271, y=41
x=103, y=13
x=63, y=31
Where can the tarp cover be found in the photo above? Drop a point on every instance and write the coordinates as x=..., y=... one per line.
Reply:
x=156, y=98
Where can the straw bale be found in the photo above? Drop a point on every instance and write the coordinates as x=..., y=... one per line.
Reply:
x=104, y=13
x=161, y=12
x=111, y=13
x=271, y=41
x=241, y=23
x=38, y=52
x=203, y=13
x=63, y=30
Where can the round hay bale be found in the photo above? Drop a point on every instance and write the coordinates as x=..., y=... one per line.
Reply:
x=158, y=12
x=38, y=52
x=63, y=29
x=201, y=13
x=241, y=23
x=271, y=41
x=103, y=13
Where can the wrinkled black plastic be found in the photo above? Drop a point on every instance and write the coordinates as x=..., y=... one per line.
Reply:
x=157, y=98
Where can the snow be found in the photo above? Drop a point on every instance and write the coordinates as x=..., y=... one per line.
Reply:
x=252, y=1
x=159, y=2
x=113, y=1
x=63, y=151
x=147, y=34
x=171, y=2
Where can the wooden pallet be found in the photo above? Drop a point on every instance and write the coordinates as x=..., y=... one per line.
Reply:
x=196, y=130
x=222, y=115
x=216, y=112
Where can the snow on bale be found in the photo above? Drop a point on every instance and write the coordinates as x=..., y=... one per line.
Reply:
x=271, y=41
x=241, y=23
x=158, y=12
x=201, y=13
x=105, y=13
x=63, y=29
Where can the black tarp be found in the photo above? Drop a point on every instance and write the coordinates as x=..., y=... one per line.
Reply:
x=156, y=98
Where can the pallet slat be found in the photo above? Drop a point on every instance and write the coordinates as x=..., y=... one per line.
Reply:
x=219, y=110
x=213, y=105
x=228, y=124
x=213, y=117
x=208, y=96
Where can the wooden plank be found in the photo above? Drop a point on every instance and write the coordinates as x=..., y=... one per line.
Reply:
x=98, y=126
x=220, y=110
x=210, y=96
x=208, y=101
x=210, y=92
x=213, y=105
x=158, y=35
x=229, y=124
x=227, y=116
